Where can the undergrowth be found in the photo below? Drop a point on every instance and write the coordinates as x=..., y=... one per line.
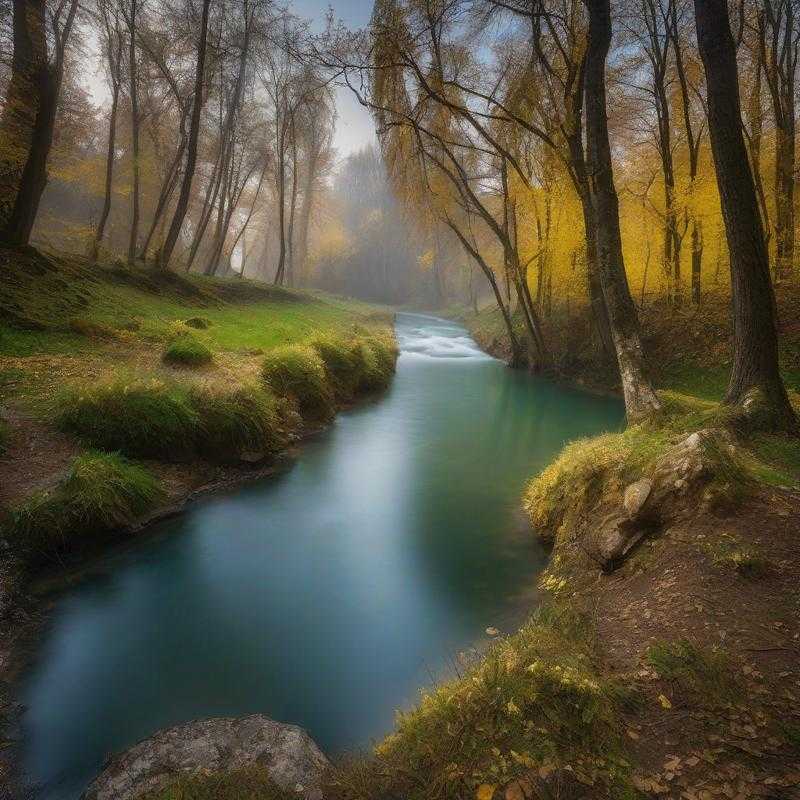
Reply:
x=102, y=491
x=531, y=705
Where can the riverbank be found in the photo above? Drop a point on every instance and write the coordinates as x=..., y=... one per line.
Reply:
x=689, y=348
x=127, y=394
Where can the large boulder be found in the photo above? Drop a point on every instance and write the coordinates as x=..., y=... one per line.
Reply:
x=292, y=760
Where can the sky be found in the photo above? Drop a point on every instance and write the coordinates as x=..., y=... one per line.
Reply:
x=354, y=125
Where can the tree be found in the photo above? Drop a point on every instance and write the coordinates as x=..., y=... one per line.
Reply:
x=755, y=339
x=191, y=149
x=640, y=397
x=29, y=115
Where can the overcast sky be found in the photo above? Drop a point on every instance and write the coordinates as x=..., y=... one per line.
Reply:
x=354, y=126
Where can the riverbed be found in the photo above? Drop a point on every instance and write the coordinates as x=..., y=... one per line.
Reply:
x=327, y=595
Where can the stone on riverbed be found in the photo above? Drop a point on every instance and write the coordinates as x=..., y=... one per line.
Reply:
x=289, y=755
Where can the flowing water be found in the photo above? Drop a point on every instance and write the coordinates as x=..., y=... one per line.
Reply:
x=325, y=596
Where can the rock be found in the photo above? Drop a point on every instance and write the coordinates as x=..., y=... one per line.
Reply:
x=616, y=536
x=636, y=496
x=210, y=746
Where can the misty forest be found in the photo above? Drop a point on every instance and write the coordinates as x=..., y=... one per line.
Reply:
x=399, y=401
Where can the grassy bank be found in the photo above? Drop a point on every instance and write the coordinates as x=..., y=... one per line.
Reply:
x=113, y=379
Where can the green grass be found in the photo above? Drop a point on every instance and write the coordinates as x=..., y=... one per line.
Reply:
x=534, y=700
x=699, y=673
x=101, y=492
x=186, y=350
x=249, y=783
x=172, y=421
x=143, y=418
x=233, y=424
x=298, y=373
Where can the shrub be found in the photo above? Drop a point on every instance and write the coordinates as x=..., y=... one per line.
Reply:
x=234, y=424
x=248, y=783
x=139, y=418
x=102, y=491
x=297, y=372
x=187, y=351
x=199, y=323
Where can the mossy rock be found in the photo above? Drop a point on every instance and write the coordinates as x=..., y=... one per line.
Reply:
x=185, y=350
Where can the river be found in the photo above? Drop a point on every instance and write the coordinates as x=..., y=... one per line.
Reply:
x=325, y=596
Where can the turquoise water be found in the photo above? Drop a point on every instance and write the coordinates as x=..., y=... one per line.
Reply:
x=325, y=596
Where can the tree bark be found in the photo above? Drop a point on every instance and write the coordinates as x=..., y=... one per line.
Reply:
x=755, y=339
x=640, y=397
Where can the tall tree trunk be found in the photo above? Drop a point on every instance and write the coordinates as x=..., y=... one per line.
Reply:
x=114, y=67
x=191, y=149
x=755, y=339
x=292, y=209
x=640, y=397
x=281, y=188
x=697, y=260
x=134, y=94
x=33, y=96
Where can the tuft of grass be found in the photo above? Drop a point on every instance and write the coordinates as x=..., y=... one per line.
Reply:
x=703, y=674
x=187, y=351
x=101, y=492
x=729, y=552
x=297, y=372
x=147, y=418
x=342, y=362
x=377, y=356
x=534, y=701
x=248, y=783
x=200, y=323
x=242, y=423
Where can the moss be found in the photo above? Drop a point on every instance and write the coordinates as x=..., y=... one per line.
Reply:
x=245, y=420
x=101, y=492
x=533, y=701
x=298, y=373
x=187, y=351
x=702, y=674
x=149, y=418
x=249, y=783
